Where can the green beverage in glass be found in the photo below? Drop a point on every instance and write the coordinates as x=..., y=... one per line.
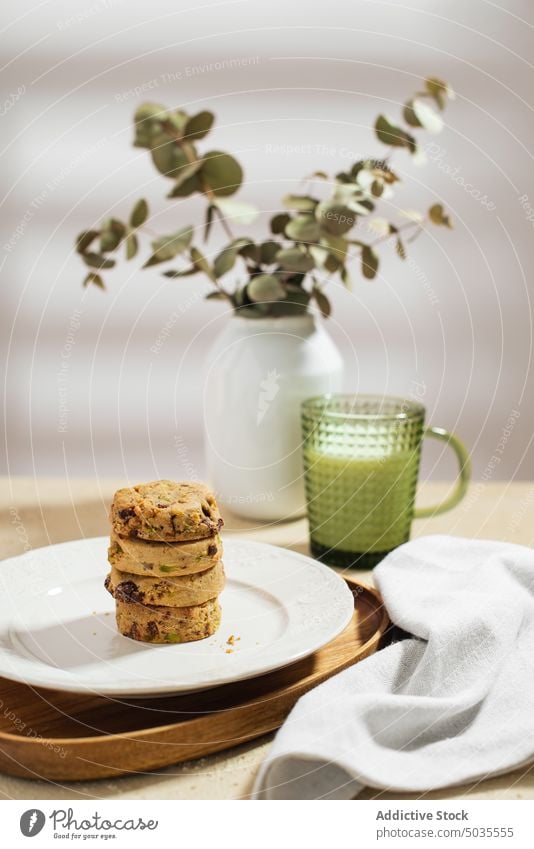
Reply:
x=361, y=462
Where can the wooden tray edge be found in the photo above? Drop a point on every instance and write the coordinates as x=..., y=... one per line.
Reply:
x=38, y=749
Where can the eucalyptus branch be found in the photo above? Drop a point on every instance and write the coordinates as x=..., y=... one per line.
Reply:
x=308, y=236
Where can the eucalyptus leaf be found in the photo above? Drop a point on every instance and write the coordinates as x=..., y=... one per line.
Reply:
x=184, y=272
x=295, y=303
x=148, y=120
x=96, y=261
x=224, y=261
x=265, y=287
x=417, y=113
x=199, y=125
x=390, y=134
x=320, y=255
x=85, y=239
x=139, y=213
x=186, y=188
x=294, y=259
x=199, y=261
x=177, y=120
x=252, y=310
x=279, y=223
x=250, y=251
x=185, y=174
x=168, y=156
x=167, y=247
x=322, y=302
x=439, y=90
x=337, y=245
x=236, y=210
x=268, y=252
x=241, y=242
x=335, y=218
x=303, y=228
x=300, y=203
x=111, y=235
x=377, y=188
x=332, y=263
x=216, y=295
x=94, y=280
x=131, y=245
x=370, y=262
x=385, y=174
x=437, y=215
x=222, y=173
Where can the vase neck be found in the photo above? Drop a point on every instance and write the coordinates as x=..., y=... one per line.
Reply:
x=283, y=324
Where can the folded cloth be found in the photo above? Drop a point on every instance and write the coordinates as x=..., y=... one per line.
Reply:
x=453, y=703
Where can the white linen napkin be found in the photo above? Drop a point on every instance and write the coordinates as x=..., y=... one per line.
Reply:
x=453, y=703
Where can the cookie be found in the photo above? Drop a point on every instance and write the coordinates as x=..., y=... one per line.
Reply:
x=183, y=591
x=141, y=557
x=165, y=510
x=167, y=624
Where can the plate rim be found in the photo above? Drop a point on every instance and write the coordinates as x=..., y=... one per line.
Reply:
x=110, y=691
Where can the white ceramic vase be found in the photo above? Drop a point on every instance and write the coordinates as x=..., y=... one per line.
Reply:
x=259, y=372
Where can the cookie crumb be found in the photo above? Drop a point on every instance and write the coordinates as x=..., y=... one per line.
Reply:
x=232, y=640
x=229, y=651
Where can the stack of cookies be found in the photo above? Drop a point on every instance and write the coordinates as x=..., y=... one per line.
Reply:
x=166, y=568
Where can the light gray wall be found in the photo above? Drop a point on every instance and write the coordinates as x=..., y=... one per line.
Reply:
x=457, y=318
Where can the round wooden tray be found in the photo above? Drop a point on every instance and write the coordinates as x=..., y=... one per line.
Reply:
x=65, y=737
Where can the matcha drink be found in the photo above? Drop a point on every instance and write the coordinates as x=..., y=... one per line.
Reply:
x=361, y=504
x=361, y=461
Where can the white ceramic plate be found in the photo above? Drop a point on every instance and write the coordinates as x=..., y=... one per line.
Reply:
x=57, y=623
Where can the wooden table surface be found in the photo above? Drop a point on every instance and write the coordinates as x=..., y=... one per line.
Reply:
x=35, y=513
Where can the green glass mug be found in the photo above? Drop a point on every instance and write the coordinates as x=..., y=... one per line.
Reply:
x=361, y=463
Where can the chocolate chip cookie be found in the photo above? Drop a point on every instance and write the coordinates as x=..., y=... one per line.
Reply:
x=182, y=591
x=166, y=510
x=151, y=624
x=141, y=557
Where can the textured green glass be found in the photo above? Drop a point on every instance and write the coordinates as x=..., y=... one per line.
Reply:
x=361, y=461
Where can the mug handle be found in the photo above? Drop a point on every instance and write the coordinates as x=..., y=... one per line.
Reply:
x=464, y=476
